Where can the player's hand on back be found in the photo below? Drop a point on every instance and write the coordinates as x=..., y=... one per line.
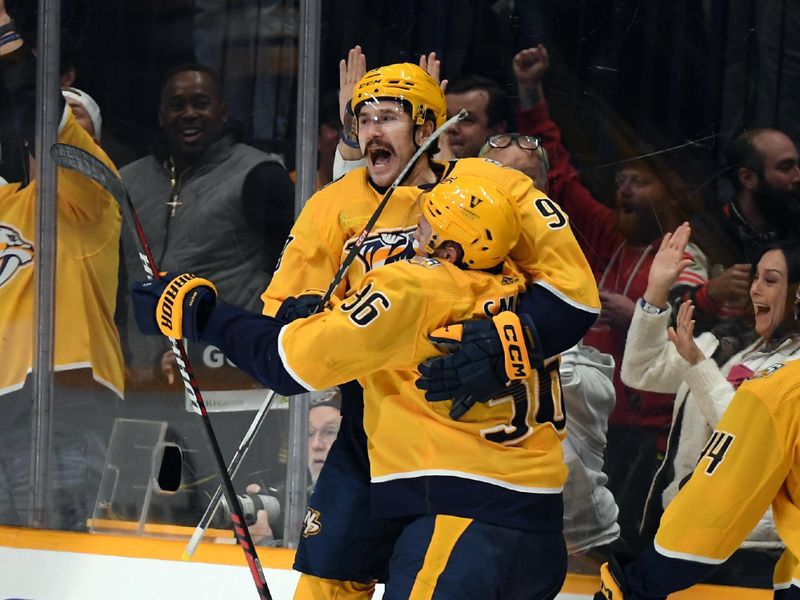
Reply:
x=298, y=307
x=486, y=355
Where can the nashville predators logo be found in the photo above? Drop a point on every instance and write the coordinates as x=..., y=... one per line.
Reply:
x=312, y=523
x=385, y=247
x=15, y=253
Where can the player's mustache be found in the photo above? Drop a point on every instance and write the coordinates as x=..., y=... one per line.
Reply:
x=379, y=146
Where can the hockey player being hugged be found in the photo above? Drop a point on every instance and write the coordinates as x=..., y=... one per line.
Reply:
x=396, y=108
x=472, y=488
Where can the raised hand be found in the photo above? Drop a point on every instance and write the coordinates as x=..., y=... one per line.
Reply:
x=529, y=66
x=682, y=335
x=432, y=66
x=350, y=71
x=667, y=264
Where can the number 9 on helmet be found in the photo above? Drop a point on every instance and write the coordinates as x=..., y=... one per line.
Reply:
x=475, y=214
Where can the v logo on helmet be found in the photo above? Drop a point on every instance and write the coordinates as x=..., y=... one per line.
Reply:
x=15, y=253
x=474, y=201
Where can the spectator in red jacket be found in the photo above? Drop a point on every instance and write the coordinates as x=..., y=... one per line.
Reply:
x=651, y=199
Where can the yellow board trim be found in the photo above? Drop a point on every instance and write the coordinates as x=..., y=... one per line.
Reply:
x=138, y=547
x=274, y=558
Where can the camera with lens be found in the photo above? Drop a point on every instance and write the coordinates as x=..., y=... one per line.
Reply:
x=267, y=500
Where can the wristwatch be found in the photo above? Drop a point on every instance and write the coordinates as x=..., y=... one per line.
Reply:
x=650, y=309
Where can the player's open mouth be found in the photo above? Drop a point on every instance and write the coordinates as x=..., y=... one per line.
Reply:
x=379, y=156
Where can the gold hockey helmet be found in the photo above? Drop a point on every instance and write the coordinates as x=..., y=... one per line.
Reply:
x=476, y=214
x=407, y=83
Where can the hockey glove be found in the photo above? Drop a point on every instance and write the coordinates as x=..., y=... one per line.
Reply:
x=487, y=356
x=298, y=307
x=176, y=305
x=612, y=582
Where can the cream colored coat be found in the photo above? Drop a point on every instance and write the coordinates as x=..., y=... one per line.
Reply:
x=652, y=363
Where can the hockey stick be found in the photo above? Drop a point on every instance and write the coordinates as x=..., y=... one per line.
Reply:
x=247, y=440
x=244, y=446
x=233, y=467
x=351, y=255
x=78, y=160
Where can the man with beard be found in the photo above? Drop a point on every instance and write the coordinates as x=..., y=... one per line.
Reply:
x=763, y=168
x=651, y=199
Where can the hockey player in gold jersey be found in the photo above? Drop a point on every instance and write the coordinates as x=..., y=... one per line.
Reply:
x=88, y=378
x=751, y=461
x=395, y=108
x=476, y=501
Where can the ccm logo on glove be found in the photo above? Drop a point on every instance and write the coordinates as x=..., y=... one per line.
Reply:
x=517, y=362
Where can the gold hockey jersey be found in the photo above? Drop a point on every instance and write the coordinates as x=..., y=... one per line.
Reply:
x=501, y=462
x=751, y=460
x=334, y=217
x=87, y=271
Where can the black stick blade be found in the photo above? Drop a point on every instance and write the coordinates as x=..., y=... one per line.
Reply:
x=79, y=160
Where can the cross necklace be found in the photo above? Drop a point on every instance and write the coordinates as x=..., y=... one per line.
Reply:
x=173, y=202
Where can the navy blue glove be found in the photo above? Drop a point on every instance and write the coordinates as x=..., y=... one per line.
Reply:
x=487, y=355
x=298, y=307
x=177, y=306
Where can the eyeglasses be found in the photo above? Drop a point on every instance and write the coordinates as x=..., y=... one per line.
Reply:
x=503, y=140
x=526, y=142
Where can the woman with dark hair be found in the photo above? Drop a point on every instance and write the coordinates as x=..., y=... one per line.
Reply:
x=671, y=359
